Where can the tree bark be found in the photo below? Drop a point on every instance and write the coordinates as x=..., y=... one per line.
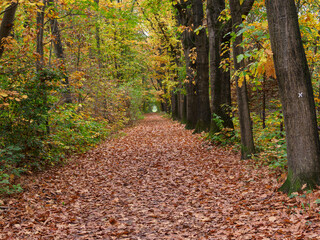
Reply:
x=264, y=102
x=220, y=80
x=7, y=25
x=191, y=118
x=185, y=18
x=247, y=144
x=98, y=39
x=40, y=64
x=59, y=51
x=182, y=107
x=297, y=98
x=40, y=31
x=225, y=95
x=202, y=69
x=174, y=106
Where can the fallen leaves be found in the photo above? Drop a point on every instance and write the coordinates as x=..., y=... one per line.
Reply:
x=158, y=182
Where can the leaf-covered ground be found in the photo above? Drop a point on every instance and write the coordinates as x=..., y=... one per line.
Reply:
x=158, y=182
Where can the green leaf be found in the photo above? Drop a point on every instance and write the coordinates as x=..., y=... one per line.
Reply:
x=198, y=29
x=5, y=181
x=292, y=195
x=241, y=31
x=240, y=58
x=247, y=54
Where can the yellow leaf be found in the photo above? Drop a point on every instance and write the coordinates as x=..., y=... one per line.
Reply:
x=240, y=81
x=3, y=94
x=264, y=24
x=269, y=52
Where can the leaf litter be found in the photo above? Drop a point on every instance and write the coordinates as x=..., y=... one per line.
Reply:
x=158, y=181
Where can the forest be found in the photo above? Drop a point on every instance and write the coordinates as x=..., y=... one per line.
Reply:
x=241, y=75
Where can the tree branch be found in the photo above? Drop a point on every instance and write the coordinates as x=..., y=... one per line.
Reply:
x=245, y=10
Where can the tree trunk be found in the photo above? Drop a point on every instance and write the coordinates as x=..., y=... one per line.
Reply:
x=297, y=98
x=40, y=64
x=98, y=39
x=179, y=105
x=191, y=118
x=220, y=80
x=225, y=95
x=59, y=51
x=185, y=18
x=182, y=107
x=174, y=105
x=40, y=31
x=264, y=102
x=7, y=24
x=247, y=144
x=202, y=67
x=184, y=111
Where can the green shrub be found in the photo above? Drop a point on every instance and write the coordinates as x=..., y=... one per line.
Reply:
x=270, y=141
x=224, y=137
x=72, y=131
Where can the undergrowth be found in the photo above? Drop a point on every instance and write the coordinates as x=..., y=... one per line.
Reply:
x=270, y=141
x=70, y=132
x=38, y=130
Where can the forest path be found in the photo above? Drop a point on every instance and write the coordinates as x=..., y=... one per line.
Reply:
x=157, y=182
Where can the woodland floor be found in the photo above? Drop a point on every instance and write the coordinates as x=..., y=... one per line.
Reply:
x=158, y=181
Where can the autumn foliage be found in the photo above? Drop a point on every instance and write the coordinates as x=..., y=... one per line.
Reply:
x=69, y=83
x=76, y=159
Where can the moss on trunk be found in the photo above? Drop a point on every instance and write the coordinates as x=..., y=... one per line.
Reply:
x=214, y=128
x=183, y=121
x=202, y=127
x=295, y=183
x=189, y=125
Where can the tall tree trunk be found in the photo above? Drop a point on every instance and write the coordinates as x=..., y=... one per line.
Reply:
x=174, y=105
x=296, y=96
x=247, y=148
x=185, y=18
x=166, y=105
x=179, y=105
x=98, y=39
x=220, y=80
x=191, y=118
x=264, y=102
x=184, y=108
x=225, y=95
x=182, y=104
x=40, y=31
x=7, y=24
x=202, y=67
x=59, y=51
x=40, y=64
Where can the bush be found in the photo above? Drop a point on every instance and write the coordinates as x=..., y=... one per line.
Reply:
x=270, y=141
x=224, y=137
